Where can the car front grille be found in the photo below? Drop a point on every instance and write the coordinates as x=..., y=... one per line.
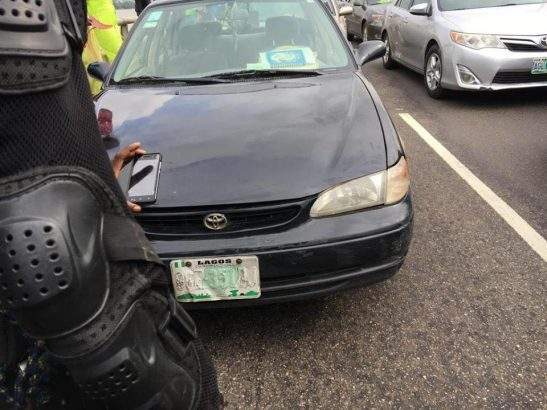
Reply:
x=172, y=223
x=524, y=43
x=525, y=47
x=517, y=77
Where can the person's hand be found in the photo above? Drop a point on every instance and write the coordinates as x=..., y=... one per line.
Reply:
x=125, y=155
x=92, y=22
x=133, y=207
x=120, y=159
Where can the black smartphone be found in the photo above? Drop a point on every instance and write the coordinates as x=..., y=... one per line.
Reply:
x=143, y=185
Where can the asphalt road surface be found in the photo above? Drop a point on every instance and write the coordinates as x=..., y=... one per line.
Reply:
x=463, y=324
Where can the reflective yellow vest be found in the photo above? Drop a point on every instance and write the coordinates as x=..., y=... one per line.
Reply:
x=104, y=39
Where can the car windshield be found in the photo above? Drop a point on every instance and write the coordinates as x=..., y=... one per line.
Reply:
x=448, y=5
x=208, y=38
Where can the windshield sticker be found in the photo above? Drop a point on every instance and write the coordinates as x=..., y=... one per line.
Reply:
x=286, y=57
x=154, y=16
x=150, y=24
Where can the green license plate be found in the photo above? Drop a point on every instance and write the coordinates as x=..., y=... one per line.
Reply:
x=539, y=66
x=216, y=278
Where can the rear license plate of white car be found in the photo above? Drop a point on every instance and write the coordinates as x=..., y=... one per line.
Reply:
x=539, y=66
x=216, y=278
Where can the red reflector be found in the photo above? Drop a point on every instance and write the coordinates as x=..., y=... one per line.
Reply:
x=104, y=119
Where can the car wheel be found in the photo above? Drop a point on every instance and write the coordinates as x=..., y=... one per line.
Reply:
x=434, y=72
x=387, y=59
x=364, y=35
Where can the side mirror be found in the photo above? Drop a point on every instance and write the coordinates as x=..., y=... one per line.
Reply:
x=358, y=3
x=422, y=9
x=345, y=10
x=370, y=50
x=98, y=70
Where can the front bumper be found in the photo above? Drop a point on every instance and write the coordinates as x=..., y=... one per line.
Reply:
x=489, y=65
x=317, y=257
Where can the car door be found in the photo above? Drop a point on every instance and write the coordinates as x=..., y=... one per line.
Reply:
x=402, y=43
x=398, y=15
x=416, y=32
x=354, y=20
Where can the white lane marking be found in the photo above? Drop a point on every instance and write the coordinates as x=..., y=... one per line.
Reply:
x=529, y=234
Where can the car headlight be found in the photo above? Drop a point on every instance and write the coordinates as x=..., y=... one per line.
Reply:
x=476, y=41
x=381, y=188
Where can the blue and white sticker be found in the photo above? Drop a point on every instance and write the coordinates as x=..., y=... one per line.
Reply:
x=283, y=58
x=154, y=16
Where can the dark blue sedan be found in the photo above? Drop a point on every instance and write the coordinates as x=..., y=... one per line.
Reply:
x=282, y=175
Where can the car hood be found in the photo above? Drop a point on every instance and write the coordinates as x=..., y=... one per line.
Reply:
x=251, y=142
x=528, y=19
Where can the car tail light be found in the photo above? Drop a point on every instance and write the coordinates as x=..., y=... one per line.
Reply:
x=104, y=118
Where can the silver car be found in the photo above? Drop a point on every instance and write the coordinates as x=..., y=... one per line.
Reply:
x=339, y=11
x=469, y=44
x=367, y=20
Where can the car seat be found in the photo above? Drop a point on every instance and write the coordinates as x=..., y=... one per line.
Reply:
x=287, y=31
x=197, y=50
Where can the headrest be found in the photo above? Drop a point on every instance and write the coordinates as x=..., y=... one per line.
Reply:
x=283, y=30
x=195, y=36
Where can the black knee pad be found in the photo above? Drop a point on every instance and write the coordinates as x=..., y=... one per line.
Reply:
x=140, y=368
x=77, y=273
x=54, y=271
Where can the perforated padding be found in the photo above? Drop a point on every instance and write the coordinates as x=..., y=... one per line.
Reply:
x=27, y=71
x=35, y=52
x=134, y=370
x=27, y=15
x=34, y=263
x=51, y=227
x=128, y=282
x=111, y=384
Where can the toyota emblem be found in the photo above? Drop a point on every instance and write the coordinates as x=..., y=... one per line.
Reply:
x=543, y=41
x=215, y=222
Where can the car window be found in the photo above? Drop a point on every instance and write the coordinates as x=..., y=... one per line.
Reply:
x=448, y=5
x=124, y=4
x=405, y=4
x=196, y=39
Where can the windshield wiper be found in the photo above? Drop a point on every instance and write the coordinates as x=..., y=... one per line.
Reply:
x=157, y=79
x=265, y=74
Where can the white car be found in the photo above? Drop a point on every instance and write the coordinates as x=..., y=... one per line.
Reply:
x=469, y=44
